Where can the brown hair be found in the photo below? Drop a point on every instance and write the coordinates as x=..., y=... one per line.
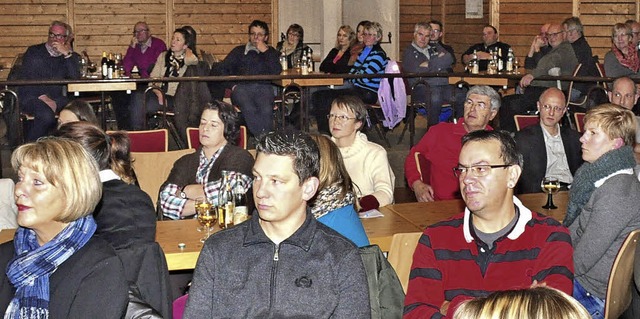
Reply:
x=332, y=169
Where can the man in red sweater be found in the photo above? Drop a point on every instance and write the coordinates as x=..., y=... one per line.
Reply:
x=440, y=146
x=496, y=244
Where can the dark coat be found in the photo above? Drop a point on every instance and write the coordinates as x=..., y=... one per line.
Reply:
x=190, y=99
x=530, y=142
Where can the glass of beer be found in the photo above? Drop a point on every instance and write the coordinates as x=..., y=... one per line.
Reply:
x=206, y=216
x=550, y=185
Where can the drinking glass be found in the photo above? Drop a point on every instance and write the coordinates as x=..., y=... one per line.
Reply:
x=206, y=216
x=550, y=185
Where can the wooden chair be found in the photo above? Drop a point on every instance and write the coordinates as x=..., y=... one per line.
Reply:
x=193, y=139
x=621, y=278
x=523, y=121
x=400, y=255
x=579, y=120
x=423, y=167
x=153, y=168
x=149, y=141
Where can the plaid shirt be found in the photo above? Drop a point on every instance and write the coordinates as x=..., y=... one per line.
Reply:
x=171, y=202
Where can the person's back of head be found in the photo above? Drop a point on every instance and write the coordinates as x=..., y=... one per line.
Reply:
x=82, y=110
x=332, y=169
x=531, y=303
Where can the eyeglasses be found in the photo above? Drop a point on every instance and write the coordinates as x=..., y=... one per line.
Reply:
x=554, y=108
x=480, y=105
x=476, y=170
x=293, y=34
x=57, y=36
x=256, y=35
x=339, y=118
x=140, y=31
x=549, y=35
x=370, y=34
x=436, y=31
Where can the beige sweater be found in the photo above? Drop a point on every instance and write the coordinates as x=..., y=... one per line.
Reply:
x=159, y=69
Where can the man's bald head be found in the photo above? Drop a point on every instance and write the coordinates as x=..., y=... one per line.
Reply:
x=624, y=93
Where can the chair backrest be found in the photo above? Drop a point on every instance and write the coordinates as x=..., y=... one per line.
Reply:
x=400, y=255
x=575, y=73
x=178, y=306
x=621, y=278
x=153, y=168
x=193, y=139
x=423, y=167
x=149, y=141
x=600, y=68
x=523, y=121
x=579, y=120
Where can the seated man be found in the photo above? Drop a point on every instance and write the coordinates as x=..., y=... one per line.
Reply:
x=548, y=149
x=625, y=93
x=422, y=56
x=489, y=43
x=254, y=98
x=539, y=47
x=282, y=263
x=441, y=146
x=496, y=244
x=52, y=60
x=573, y=30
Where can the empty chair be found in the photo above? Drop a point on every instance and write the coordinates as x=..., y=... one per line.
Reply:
x=621, y=278
x=579, y=119
x=149, y=141
x=403, y=245
x=523, y=121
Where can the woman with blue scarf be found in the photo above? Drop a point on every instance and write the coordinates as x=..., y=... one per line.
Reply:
x=55, y=267
x=604, y=201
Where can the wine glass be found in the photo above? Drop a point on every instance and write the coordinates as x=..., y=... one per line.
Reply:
x=206, y=216
x=516, y=66
x=550, y=185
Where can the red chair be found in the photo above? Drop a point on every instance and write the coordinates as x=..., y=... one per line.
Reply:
x=579, y=117
x=179, y=305
x=149, y=141
x=523, y=121
x=193, y=139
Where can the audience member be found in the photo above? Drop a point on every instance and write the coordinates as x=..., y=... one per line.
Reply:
x=52, y=60
x=421, y=56
x=622, y=60
x=635, y=32
x=489, y=43
x=548, y=149
x=624, y=92
x=199, y=174
x=334, y=204
x=254, y=98
x=55, y=267
x=372, y=60
x=437, y=32
x=282, y=263
x=574, y=34
x=357, y=47
x=496, y=244
x=539, y=47
x=604, y=206
x=366, y=162
x=293, y=47
x=441, y=145
x=531, y=303
x=337, y=61
x=143, y=51
x=8, y=208
x=77, y=110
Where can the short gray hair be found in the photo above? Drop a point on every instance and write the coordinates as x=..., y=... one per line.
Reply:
x=486, y=91
x=424, y=25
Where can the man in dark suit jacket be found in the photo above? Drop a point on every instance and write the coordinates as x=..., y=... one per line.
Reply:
x=540, y=144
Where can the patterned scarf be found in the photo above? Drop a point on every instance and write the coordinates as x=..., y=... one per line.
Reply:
x=328, y=200
x=628, y=59
x=30, y=268
x=173, y=65
x=589, y=173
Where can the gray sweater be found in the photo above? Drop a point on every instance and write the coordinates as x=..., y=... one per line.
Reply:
x=315, y=273
x=562, y=57
x=611, y=213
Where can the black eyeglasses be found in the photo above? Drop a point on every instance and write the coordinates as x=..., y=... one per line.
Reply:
x=57, y=36
x=476, y=170
x=140, y=31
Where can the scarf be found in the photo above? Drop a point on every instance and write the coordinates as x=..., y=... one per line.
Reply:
x=589, y=173
x=628, y=59
x=31, y=267
x=328, y=200
x=173, y=65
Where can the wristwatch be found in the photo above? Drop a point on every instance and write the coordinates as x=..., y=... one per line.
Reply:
x=182, y=193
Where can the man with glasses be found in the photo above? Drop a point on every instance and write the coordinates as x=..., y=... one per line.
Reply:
x=495, y=244
x=437, y=32
x=635, y=32
x=548, y=149
x=574, y=33
x=440, y=147
x=254, y=98
x=624, y=92
x=143, y=51
x=52, y=60
x=539, y=47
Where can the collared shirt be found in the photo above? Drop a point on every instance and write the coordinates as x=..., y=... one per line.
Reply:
x=250, y=47
x=144, y=46
x=51, y=51
x=557, y=164
x=426, y=50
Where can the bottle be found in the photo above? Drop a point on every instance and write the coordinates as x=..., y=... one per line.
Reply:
x=110, y=65
x=500, y=61
x=475, y=67
x=225, y=202
x=241, y=211
x=510, y=59
x=283, y=61
x=310, y=60
x=105, y=64
x=304, y=65
x=116, y=67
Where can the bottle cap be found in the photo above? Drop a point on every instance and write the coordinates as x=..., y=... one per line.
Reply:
x=182, y=245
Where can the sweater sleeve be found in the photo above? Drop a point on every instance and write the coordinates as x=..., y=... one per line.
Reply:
x=554, y=264
x=353, y=298
x=382, y=177
x=199, y=304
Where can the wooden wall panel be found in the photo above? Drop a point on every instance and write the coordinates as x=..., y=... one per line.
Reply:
x=599, y=16
x=411, y=12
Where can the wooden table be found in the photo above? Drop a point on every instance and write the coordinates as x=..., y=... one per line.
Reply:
x=304, y=82
x=95, y=85
x=484, y=79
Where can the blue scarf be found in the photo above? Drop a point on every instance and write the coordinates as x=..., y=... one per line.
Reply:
x=30, y=268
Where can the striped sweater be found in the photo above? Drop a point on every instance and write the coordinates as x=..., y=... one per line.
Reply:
x=373, y=63
x=451, y=264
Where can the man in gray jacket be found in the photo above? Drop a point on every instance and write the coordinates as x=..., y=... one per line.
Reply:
x=281, y=263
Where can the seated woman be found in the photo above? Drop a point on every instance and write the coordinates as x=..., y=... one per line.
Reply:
x=199, y=174
x=55, y=267
x=366, y=162
x=357, y=47
x=293, y=47
x=75, y=111
x=334, y=204
x=125, y=214
x=622, y=60
x=604, y=206
x=337, y=61
x=372, y=60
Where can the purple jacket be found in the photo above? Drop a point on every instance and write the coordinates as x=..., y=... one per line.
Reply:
x=144, y=61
